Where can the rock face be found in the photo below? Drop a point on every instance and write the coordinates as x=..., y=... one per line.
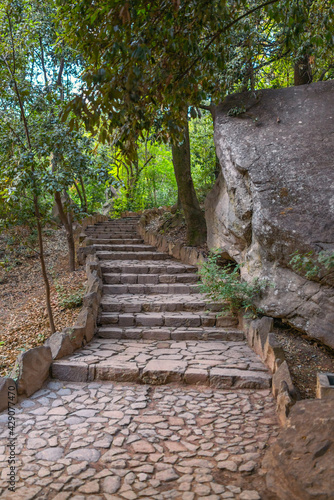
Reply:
x=300, y=464
x=275, y=195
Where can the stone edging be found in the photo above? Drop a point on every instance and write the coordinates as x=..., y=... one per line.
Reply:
x=32, y=367
x=262, y=339
x=187, y=255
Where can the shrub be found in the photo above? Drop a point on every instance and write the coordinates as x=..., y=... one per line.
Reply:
x=311, y=264
x=224, y=284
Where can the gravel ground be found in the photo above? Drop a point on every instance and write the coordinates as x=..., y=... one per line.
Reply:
x=305, y=358
x=23, y=317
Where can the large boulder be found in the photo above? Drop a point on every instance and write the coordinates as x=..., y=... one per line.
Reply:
x=300, y=464
x=275, y=195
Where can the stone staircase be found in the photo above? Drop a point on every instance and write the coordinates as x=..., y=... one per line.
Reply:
x=155, y=326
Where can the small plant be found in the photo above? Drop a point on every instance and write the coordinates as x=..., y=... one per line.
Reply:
x=326, y=259
x=237, y=110
x=72, y=301
x=310, y=264
x=41, y=337
x=224, y=284
x=69, y=300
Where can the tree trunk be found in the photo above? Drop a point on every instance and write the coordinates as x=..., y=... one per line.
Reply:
x=177, y=206
x=43, y=267
x=195, y=221
x=69, y=230
x=82, y=203
x=302, y=71
x=83, y=193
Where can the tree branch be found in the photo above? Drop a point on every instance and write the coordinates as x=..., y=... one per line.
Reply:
x=260, y=66
x=322, y=76
x=42, y=61
x=60, y=76
x=16, y=135
x=18, y=95
x=206, y=108
x=78, y=191
x=146, y=163
x=12, y=43
x=219, y=32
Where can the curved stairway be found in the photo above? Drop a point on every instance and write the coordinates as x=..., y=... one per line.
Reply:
x=155, y=326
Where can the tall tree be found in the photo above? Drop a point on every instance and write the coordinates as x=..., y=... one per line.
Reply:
x=144, y=61
x=196, y=226
x=26, y=162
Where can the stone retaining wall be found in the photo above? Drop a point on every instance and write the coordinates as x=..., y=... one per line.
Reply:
x=187, y=255
x=261, y=338
x=32, y=367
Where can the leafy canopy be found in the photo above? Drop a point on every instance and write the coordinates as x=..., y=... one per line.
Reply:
x=146, y=62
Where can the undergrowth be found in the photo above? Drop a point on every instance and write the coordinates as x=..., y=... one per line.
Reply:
x=69, y=300
x=225, y=285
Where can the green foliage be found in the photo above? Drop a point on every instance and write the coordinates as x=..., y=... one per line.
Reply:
x=326, y=259
x=224, y=284
x=69, y=300
x=238, y=110
x=311, y=264
x=136, y=79
x=146, y=68
x=203, y=154
x=149, y=181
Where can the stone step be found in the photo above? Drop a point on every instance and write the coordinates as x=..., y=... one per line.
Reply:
x=164, y=318
x=119, y=227
x=124, y=248
x=115, y=222
x=110, y=227
x=158, y=303
x=110, y=238
x=216, y=364
x=117, y=241
x=152, y=279
x=155, y=327
x=132, y=255
x=170, y=333
x=119, y=233
x=138, y=267
x=176, y=288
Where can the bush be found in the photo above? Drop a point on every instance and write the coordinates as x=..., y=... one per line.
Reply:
x=224, y=284
x=311, y=264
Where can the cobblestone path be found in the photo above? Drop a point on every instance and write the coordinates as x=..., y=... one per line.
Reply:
x=180, y=409
x=105, y=441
